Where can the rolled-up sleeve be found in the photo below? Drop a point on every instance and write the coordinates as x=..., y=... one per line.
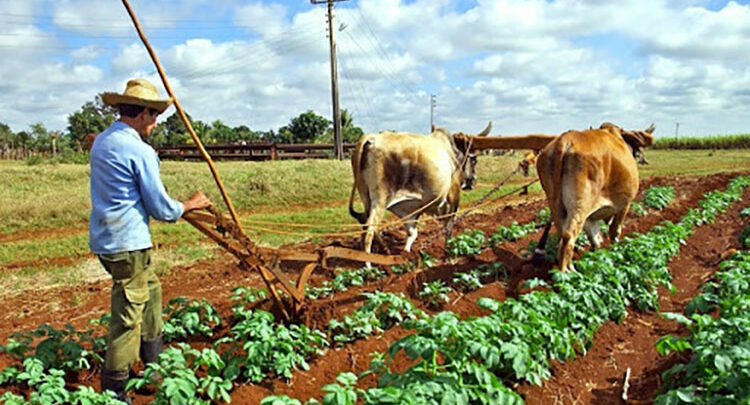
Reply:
x=157, y=202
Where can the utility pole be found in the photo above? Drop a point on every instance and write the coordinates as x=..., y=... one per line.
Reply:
x=337, y=141
x=676, y=129
x=432, y=112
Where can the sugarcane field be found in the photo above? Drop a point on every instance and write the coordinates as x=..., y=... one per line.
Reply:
x=496, y=202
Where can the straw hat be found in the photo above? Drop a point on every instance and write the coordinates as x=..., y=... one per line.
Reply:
x=138, y=92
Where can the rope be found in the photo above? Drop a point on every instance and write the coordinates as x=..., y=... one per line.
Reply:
x=478, y=203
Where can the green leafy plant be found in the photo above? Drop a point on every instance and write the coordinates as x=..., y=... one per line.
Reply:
x=637, y=209
x=378, y=313
x=342, y=393
x=512, y=232
x=542, y=217
x=470, y=281
x=48, y=387
x=658, y=197
x=62, y=349
x=428, y=260
x=248, y=295
x=343, y=280
x=407, y=267
x=176, y=376
x=745, y=212
x=471, y=242
x=435, y=293
x=189, y=318
x=279, y=400
x=259, y=347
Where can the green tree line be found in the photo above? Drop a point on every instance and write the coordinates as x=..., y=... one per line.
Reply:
x=94, y=117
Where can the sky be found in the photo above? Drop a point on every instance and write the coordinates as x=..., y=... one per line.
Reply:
x=529, y=66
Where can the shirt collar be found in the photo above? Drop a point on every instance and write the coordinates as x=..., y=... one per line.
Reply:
x=121, y=126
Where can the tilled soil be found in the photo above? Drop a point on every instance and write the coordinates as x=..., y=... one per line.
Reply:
x=596, y=378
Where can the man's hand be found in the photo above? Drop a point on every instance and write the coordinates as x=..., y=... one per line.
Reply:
x=196, y=201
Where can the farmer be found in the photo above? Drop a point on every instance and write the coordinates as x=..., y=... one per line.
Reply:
x=126, y=190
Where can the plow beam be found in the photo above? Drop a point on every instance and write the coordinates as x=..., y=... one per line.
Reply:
x=532, y=141
x=361, y=256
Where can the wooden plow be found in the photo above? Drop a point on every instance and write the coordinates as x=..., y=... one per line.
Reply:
x=267, y=261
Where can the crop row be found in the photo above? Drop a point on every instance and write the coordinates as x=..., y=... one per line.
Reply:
x=718, y=370
x=468, y=361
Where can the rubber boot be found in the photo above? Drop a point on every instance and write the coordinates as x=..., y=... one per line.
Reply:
x=150, y=350
x=116, y=381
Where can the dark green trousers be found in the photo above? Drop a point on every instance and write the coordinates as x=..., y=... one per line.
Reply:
x=136, y=307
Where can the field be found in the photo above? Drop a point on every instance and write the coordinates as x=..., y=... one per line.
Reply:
x=48, y=277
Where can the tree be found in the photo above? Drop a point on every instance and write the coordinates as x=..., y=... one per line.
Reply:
x=23, y=139
x=40, y=139
x=6, y=136
x=93, y=118
x=221, y=133
x=307, y=127
x=158, y=136
x=177, y=134
x=175, y=131
x=349, y=133
x=243, y=133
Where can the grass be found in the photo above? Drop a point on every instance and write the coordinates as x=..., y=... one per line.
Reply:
x=738, y=141
x=694, y=162
x=47, y=205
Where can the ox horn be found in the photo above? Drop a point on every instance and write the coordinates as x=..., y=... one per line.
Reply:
x=487, y=130
x=651, y=128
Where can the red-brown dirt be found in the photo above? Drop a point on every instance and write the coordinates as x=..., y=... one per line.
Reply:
x=596, y=378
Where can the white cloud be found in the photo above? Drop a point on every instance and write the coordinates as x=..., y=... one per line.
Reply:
x=86, y=53
x=264, y=19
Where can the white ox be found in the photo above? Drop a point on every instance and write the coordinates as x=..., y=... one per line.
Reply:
x=410, y=175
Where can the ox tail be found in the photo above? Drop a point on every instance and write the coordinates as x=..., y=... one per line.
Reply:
x=359, y=159
x=541, y=247
x=559, y=167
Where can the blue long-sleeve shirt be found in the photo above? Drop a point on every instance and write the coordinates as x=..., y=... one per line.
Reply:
x=126, y=189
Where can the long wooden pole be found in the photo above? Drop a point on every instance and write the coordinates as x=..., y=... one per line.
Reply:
x=181, y=112
x=532, y=141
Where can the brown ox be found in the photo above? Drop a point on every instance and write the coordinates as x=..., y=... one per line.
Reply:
x=410, y=175
x=589, y=176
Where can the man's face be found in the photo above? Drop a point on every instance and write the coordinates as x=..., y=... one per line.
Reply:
x=147, y=122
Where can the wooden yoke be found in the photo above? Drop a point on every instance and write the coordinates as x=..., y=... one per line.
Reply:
x=533, y=141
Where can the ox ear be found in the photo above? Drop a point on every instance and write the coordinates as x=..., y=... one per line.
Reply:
x=461, y=141
x=639, y=139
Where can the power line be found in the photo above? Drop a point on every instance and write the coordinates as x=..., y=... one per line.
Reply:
x=388, y=76
x=261, y=50
x=360, y=92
